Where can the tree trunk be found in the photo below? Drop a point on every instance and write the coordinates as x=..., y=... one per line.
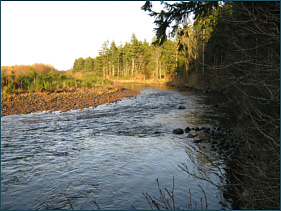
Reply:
x=160, y=71
x=203, y=66
x=157, y=67
x=133, y=66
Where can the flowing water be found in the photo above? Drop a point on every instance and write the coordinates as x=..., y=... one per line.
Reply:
x=109, y=154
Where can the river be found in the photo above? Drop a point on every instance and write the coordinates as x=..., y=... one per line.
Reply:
x=109, y=154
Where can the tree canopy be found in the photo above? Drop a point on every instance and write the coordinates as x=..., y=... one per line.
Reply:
x=176, y=14
x=134, y=59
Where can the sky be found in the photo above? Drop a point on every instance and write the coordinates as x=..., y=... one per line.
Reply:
x=58, y=32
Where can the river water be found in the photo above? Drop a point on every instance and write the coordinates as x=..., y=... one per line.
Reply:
x=109, y=154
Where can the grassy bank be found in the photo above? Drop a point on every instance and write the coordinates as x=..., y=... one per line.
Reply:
x=24, y=92
x=17, y=81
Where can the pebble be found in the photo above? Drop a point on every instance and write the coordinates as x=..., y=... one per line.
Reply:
x=191, y=135
x=221, y=139
x=178, y=131
x=61, y=101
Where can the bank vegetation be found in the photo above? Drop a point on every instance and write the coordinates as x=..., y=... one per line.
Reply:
x=233, y=48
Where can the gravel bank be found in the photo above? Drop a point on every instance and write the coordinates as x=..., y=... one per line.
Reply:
x=62, y=100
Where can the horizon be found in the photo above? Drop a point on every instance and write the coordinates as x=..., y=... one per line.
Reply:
x=57, y=33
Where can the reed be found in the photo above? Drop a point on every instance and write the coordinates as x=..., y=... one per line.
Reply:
x=166, y=199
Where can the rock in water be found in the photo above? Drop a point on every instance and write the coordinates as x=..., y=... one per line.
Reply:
x=191, y=135
x=187, y=129
x=178, y=131
x=181, y=107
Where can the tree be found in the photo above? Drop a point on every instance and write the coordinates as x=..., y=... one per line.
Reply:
x=88, y=65
x=32, y=74
x=169, y=53
x=126, y=59
x=78, y=65
x=98, y=66
x=113, y=58
x=188, y=45
x=134, y=50
x=146, y=55
x=104, y=53
x=176, y=14
x=252, y=77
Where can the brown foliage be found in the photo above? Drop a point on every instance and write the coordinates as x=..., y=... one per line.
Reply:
x=18, y=69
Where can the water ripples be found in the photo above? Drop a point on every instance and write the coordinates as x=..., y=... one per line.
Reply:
x=109, y=154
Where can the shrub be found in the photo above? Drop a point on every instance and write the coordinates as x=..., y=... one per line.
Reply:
x=30, y=87
x=84, y=84
x=11, y=87
x=47, y=85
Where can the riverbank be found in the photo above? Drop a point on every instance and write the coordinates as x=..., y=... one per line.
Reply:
x=142, y=81
x=61, y=100
x=257, y=126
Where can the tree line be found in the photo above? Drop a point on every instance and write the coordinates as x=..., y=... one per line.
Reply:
x=135, y=59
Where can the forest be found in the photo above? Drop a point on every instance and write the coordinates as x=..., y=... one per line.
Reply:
x=136, y=59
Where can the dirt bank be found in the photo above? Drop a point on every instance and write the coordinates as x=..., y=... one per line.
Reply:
x=60, y=101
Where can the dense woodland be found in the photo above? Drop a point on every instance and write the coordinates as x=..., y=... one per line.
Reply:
x=136, y=59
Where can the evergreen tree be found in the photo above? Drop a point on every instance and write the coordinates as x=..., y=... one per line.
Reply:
x=113, y=58
x=176, y=14
x=104, y=53
x=146, y=53
x=134, y=53
x=98, y=66
x=88, y=65
x=169, y=51
x=78, y=65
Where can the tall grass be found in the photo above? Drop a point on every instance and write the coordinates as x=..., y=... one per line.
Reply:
x=32, y=81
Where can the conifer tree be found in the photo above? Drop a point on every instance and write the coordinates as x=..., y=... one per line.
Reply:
x=88, y=65
x=78, y=65
x=176, y=14
x=113, y=58
x=134, y=50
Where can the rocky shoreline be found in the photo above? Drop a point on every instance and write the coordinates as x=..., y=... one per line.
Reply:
x=221, y=139
x=61, y=100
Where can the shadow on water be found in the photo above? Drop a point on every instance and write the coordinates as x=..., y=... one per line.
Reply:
x=110, y=154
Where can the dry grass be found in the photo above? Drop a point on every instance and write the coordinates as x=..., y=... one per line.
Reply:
x=24, y=69
x=166, y=199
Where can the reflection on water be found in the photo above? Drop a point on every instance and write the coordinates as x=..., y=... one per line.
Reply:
x=109, y=154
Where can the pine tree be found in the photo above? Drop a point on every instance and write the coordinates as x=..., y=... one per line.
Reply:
x=112, y=58
x=88, y=65
x=176, y=14
x=78, y=65
x=134, y=52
